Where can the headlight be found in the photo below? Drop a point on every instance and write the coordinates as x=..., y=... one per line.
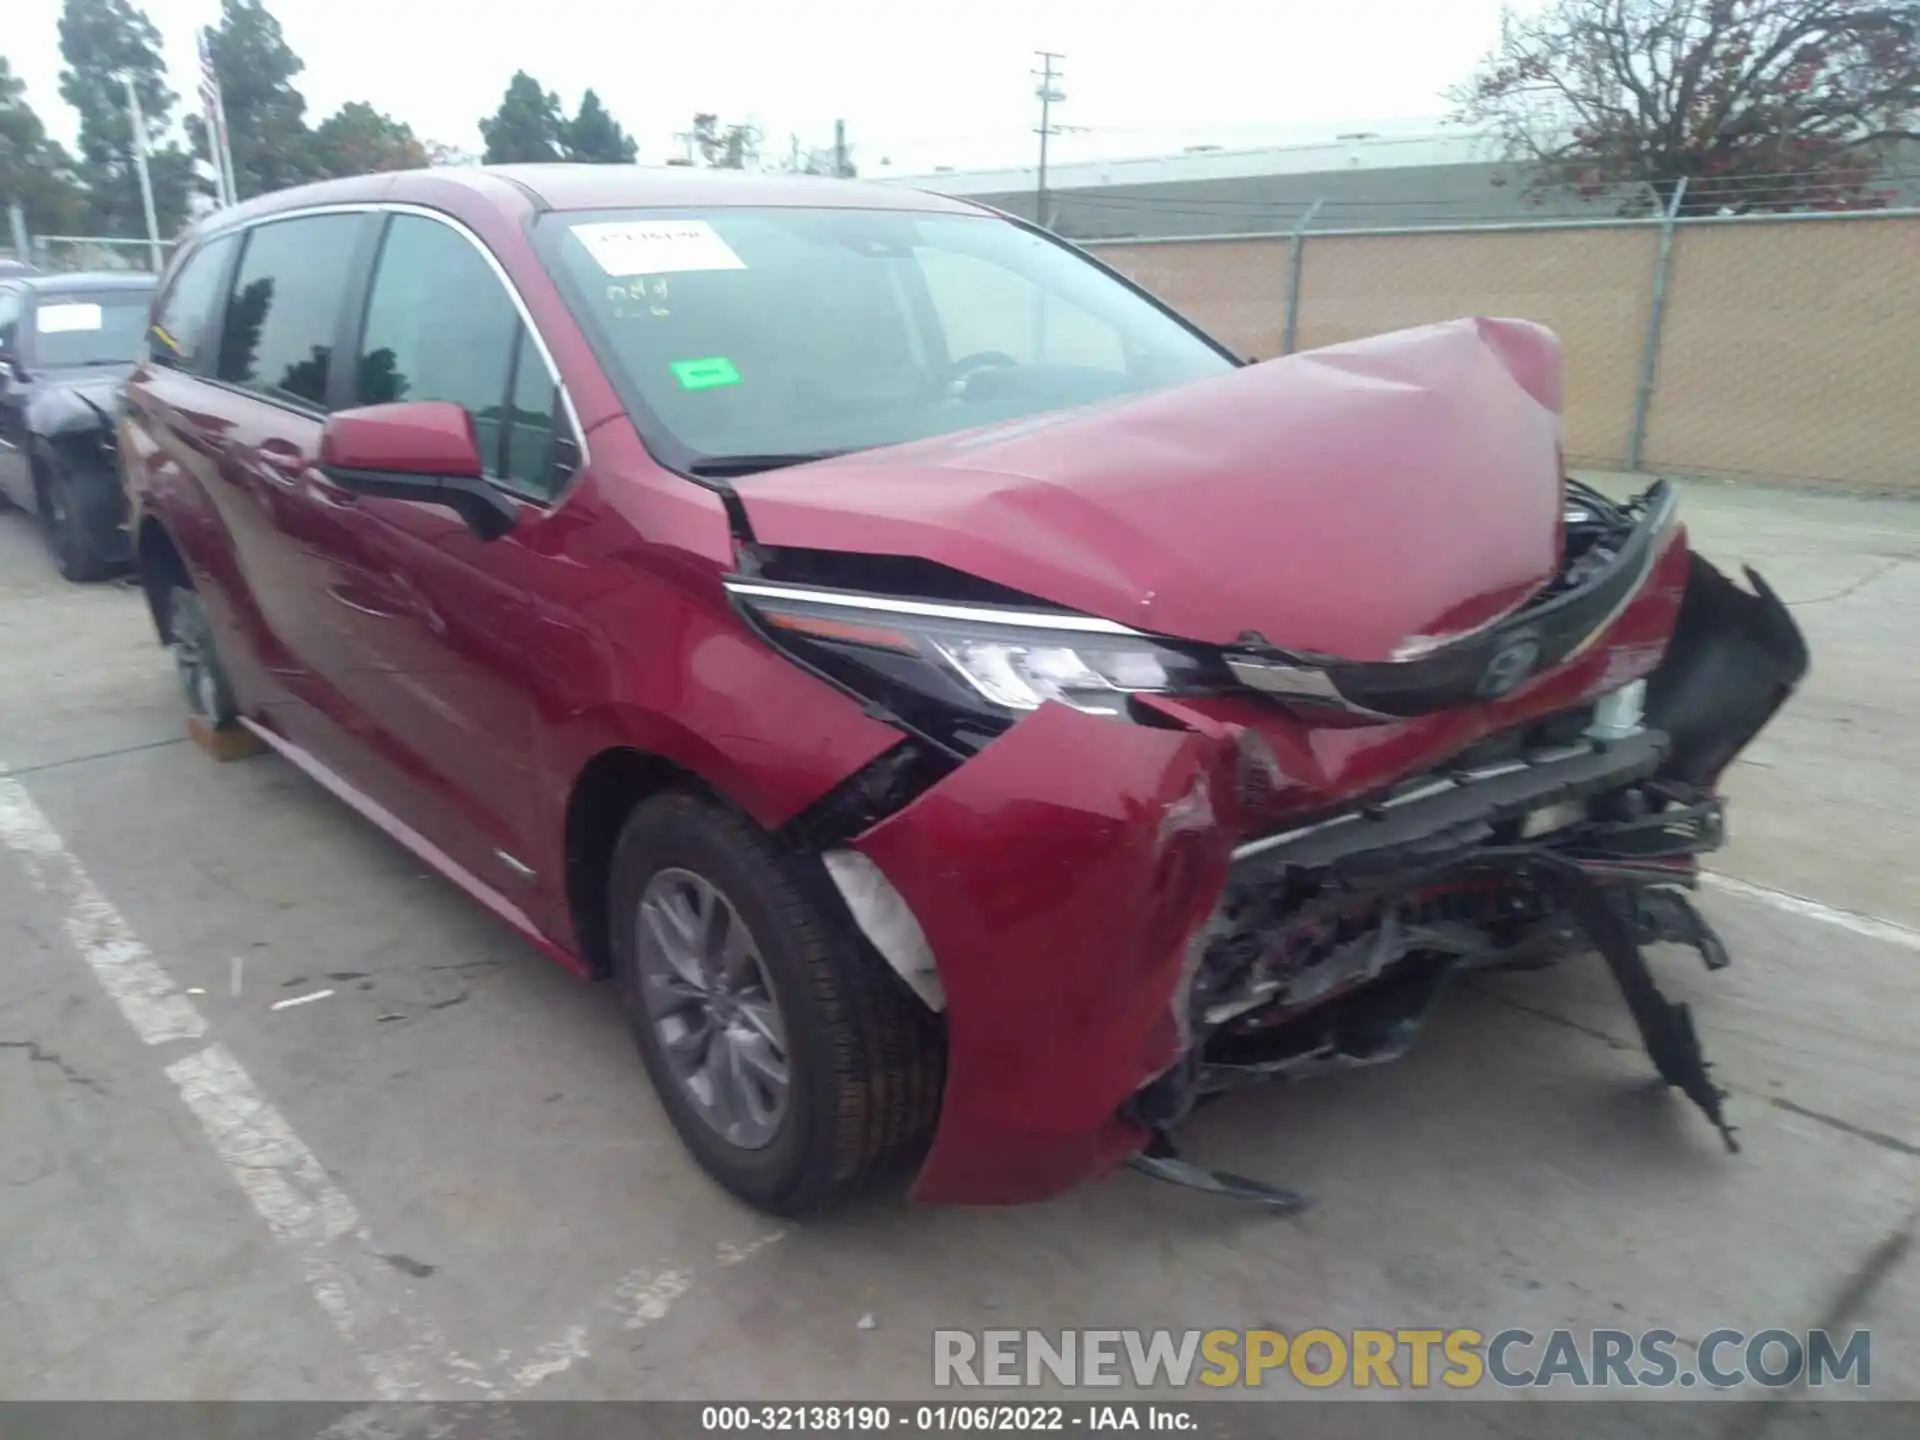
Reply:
x=979, y=665
x=1021, y=674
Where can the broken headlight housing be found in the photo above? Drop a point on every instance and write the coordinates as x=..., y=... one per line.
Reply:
x=962, y=673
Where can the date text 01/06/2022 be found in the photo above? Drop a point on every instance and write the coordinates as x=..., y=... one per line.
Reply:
x=875, y=1419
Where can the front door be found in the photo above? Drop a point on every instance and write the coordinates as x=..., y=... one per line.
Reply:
x=443, y=639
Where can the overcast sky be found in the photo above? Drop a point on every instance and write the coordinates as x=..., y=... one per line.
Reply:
x=919, y=84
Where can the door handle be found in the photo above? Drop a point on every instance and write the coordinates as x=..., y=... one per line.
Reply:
x=284, y=464
x=328, y=493
x=342, y=595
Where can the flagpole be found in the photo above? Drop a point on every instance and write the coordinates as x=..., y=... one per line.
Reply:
x=226, y=153
x=137, y=128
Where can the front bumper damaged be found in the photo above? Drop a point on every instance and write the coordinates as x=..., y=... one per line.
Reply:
x=1117, y=938
x=1059, y=876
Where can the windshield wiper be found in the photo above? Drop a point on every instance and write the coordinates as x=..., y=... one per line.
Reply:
x=719, y=467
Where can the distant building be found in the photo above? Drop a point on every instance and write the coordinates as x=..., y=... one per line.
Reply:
x=1440, y=175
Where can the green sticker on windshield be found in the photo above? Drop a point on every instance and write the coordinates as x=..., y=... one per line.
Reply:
x=705, y=374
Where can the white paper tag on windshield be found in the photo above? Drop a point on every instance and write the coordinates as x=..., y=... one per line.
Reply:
x=59, y=319
x=656, y=247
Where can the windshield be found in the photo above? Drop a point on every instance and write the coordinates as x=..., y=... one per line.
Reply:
x=102, y=328
x=769, y=335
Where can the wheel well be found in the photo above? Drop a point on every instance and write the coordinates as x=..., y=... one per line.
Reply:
x=604, y=795
x=160, y=569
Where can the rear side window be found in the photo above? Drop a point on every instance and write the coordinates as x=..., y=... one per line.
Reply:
x=179, y=334
x=9, y=317
x=284, y=309
x=441, y=326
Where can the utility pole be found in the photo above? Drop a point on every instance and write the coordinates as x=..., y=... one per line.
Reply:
x=139, y=124
x=1049, y=96
x=840, y=149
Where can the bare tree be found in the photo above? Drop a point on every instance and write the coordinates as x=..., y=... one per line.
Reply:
x=1760, y=104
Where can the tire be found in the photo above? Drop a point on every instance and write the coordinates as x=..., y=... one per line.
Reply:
x=76, y=549
x=203, y=679
x=864, y=1059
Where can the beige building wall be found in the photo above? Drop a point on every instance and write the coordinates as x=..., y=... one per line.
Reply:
x=1790, y=349
x=1235, y=290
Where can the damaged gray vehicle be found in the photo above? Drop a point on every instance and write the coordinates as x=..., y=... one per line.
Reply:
x=67, y=343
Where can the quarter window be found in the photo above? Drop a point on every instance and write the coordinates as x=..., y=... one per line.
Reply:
x=285, y=307
x=178, y=335
x=441, y=326
x=529, y=459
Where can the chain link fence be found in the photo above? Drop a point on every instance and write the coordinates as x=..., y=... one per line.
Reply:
x=1785, y=346
x=1777, y=345
x=96, y=252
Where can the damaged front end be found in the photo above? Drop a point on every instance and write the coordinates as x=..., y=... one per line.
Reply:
x=1244, y=716
x=1581, y=830
x=74, y=429
x=1136, y=897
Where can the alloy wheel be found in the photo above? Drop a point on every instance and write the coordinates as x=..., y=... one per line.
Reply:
x=194, y=661
x=712, y=1006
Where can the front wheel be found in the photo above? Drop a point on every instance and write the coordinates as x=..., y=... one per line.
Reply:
x=796, y=1068
x=76, y=548
x=203, y=679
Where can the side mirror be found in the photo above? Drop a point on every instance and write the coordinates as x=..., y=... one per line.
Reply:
x=421, y=450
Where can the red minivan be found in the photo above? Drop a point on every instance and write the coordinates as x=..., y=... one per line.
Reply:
x=970, y=715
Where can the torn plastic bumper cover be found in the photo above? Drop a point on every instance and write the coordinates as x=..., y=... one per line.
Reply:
x=1113, y=944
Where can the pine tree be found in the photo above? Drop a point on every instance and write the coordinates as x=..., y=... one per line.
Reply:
x=266, y=116
x=36, y=173
x=527, y=128
x=595, y=136
x=106, y=43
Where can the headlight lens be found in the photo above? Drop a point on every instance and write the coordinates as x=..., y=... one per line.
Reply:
x=1021, y=675
x=988, y=662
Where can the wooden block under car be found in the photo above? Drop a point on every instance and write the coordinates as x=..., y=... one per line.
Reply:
x=235, y=743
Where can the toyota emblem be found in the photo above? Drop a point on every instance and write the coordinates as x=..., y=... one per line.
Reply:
x=1511, y=664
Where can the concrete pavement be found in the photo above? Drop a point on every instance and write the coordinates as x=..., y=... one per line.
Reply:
x=448, y=1178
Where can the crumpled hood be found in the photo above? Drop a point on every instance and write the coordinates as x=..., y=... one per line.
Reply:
x=1356, y=501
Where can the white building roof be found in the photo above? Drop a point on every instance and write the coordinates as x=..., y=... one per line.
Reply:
x=1359, y=150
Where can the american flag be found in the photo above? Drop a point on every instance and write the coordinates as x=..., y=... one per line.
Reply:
x=209, y=82
x=216, y=114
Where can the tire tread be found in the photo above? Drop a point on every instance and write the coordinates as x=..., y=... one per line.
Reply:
x=888, y=1053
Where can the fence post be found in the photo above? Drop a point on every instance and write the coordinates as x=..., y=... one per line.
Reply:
x=1656, y=315
x=1296, y=259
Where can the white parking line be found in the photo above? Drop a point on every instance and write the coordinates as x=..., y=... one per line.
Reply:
x=403, y=1354
x=1871, y=926
x=145, y=993
x=402, y=1350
